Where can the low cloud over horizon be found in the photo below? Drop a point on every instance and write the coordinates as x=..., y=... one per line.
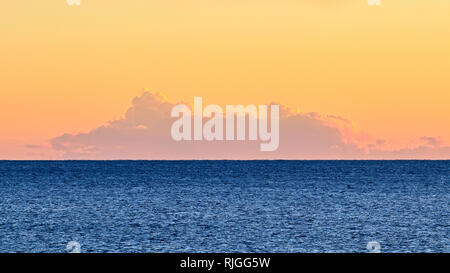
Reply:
x=144, y=133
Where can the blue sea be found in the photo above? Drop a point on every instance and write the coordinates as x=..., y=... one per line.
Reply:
x=224, y=206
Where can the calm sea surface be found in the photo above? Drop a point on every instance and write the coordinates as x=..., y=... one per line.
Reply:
x=225, y=206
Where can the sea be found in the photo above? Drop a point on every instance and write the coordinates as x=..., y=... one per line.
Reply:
x=224, y=206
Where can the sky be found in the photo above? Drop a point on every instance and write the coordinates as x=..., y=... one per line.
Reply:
x=358, y=81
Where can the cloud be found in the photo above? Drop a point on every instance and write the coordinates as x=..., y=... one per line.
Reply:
x=432, y=141
x=33, y=146
x=144, y=133
x=421, y=152
x=378, y=143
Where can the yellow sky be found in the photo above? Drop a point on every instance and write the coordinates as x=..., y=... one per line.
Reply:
x=68, y=69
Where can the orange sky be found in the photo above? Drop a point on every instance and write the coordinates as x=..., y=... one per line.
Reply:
x=69, y=69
